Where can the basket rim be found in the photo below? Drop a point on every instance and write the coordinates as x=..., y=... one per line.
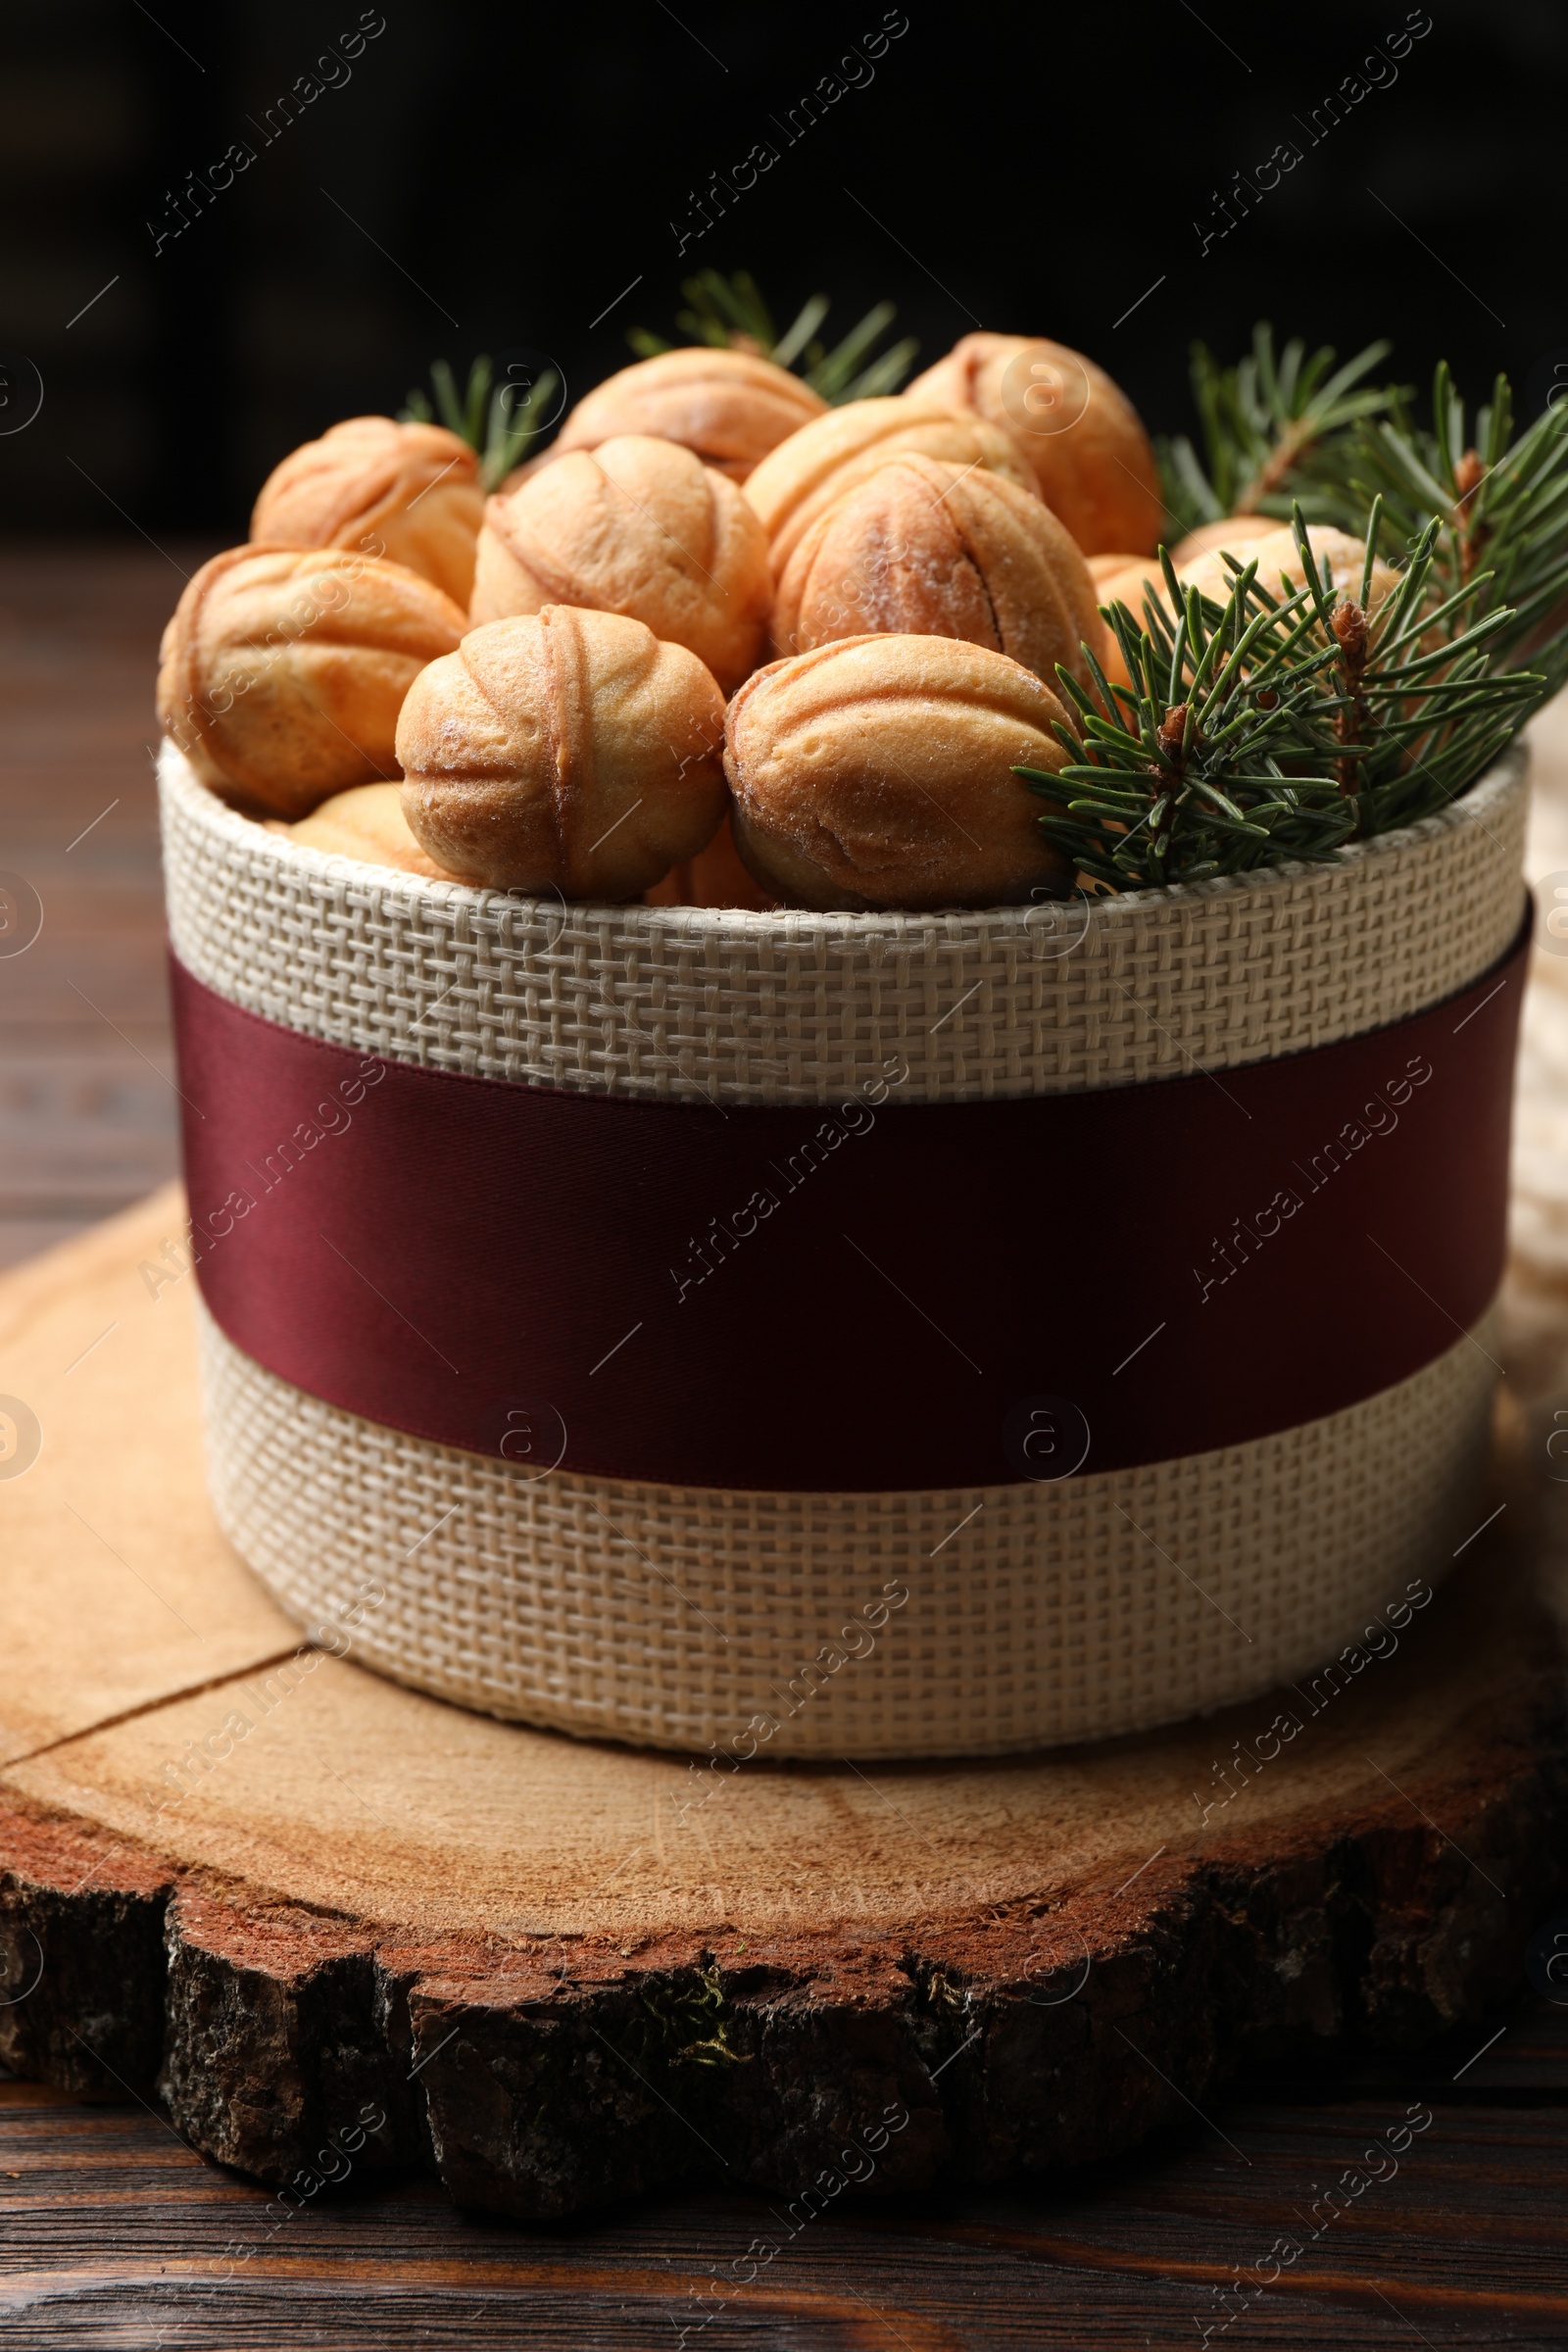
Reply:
x=838, y=927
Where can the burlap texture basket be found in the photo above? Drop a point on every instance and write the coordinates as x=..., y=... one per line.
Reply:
x=1036, y=1614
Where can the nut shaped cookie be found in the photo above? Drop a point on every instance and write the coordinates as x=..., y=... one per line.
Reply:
x=1123, y=580
x=1234, y=531
x=836, y=453
x=367, y=823
x=728, y=407
x=878, y=772
x=715, y=877
x=1107, y=569
x=641, y=528
x=932, y=550
x=407, y=492
x=1339, y=558
x=283, y=669
x=1091, y=459
x=564, y=750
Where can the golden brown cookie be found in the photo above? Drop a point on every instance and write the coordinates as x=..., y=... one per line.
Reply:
x=283, y=669
x=931, y=550
x=1092, y=459
x=566, y=749
x=715, y=877
x=368, y=823
x=728, y=407
x=1234, y=531
x=1339, y=559
x=1106, y=567
x=1123, y=580
x=878, y=772
x=407, y=492
x=639, y=527
x=824, y=459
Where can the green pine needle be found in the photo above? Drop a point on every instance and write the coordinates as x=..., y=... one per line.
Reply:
x=729, y=312
x=1500, y=507
x=1272, y=430
x=501, y=422
x=1270, y=728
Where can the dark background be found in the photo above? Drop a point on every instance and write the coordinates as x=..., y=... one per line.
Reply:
x=513, y=169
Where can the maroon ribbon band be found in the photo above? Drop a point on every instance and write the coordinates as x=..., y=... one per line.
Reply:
x=876, y=1296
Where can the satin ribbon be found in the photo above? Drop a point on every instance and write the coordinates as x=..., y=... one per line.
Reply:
x=876, y=1295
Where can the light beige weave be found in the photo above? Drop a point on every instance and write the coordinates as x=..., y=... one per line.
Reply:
x=672, y=1616
x=693, y=1001
x=1036, y=1614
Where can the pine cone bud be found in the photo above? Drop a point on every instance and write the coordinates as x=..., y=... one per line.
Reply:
x=1468, y=474
x=1349, y=628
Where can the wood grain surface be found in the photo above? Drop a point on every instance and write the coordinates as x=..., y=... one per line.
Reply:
x=119, y=2232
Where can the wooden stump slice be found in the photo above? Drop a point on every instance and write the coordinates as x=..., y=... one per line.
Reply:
x=326, y=1913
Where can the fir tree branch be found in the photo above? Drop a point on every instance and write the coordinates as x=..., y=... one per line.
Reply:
x=832, y=375
x=802, y=331
x=501, y=422
x=1269, y=728
x=1265, y=423
x=1495, y=501
x=730, y=314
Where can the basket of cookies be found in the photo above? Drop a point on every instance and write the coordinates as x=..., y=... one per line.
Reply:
x=848, y=1068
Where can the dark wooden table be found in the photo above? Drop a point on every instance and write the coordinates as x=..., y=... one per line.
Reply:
x=86, y=1109
x=117, y=2234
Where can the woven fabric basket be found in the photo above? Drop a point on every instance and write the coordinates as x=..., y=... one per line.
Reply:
x=675, y=1617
